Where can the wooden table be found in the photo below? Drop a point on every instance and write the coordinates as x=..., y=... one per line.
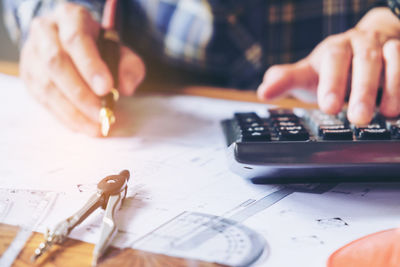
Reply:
x=78, y=253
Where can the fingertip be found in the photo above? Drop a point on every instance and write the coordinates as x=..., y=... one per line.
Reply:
x=275, y=80
x=92, y=130
x=101, y=85
x=128, y=84
x=330, y=104
x=132, y=71
x=359, y=114
x=389, y=111
x=262, y=91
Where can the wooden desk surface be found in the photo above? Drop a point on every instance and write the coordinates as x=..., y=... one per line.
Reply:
x=77, y=253
x=11, y=68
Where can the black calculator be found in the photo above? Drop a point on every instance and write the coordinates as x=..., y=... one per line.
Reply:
x=301, y=146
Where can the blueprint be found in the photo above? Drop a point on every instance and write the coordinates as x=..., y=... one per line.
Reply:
x=174, y=148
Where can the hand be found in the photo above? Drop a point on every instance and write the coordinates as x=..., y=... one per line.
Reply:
x=360, y=57
x=62, y=68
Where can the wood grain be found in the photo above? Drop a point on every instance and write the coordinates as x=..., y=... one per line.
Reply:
x=7, y=234
x=76, y=253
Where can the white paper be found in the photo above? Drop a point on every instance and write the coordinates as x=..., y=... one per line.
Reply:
x=174, y=148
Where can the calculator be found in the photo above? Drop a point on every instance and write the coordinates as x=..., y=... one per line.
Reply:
x=301, y=146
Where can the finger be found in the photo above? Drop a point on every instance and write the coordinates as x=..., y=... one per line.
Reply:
x=390, y=103
x=333, y=76
x=131, y=71
x=367, y=67
x=78, y=32
x=49, y=96
x=281, y=78
x=62, y=71
x=27, y=59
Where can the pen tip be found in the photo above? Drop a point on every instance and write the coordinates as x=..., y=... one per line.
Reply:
x=105, y=128
x=106, y=118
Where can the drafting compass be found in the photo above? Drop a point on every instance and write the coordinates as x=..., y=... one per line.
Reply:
x=111, y=191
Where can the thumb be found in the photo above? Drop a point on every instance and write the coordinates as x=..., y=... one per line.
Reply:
x=131, y=71
x=281, y=78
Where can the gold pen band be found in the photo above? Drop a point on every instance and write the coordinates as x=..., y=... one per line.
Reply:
x=106, y=114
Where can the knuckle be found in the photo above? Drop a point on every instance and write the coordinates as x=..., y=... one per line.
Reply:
x=283, y=71
x=47, y=89
x=71, y=9
x=338, y=51
x=373, y=35
x=77, y=11
x=79, y=94
x=72, y=37
x=38, y=24
x=277, y=70
x=339, y=39
x=56, y=57
x=371, y=54
x=332, y=39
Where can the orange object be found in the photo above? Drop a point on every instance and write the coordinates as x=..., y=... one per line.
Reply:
x=374, y=250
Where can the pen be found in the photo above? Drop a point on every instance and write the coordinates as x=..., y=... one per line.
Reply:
x=108, y=45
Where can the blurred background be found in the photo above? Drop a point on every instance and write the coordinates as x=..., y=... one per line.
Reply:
x=8, y=51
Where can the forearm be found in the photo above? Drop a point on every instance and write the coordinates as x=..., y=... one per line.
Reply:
x=18, y=14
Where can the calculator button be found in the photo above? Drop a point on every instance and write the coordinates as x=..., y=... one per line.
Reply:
x=257, y=128
x=291, y=128
x=247, y=118
x=256, y=136
x=278, y=124
x=395, y=131
x=284, y=119
x=337, y=134
x=372, y=134
x=292, y=135
x=378, y=120
x=321, y=128
x=280, y=112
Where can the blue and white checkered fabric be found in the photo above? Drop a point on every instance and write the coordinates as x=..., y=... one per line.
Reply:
x=232, y=38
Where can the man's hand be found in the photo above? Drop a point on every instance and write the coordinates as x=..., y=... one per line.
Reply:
x=362, y=58
x=62, y=67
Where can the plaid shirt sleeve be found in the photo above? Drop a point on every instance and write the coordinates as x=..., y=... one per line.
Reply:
x=18, y=14
x=238, y=40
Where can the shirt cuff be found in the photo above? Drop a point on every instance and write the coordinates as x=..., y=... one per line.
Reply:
x=18, y=15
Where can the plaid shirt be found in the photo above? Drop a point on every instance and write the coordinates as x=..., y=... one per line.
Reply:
x=233, y=40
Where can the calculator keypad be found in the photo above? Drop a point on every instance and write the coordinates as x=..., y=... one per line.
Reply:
x=250, y=127
x=285, y=125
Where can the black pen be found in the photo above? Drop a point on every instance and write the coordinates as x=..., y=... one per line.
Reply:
x=108, y=45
